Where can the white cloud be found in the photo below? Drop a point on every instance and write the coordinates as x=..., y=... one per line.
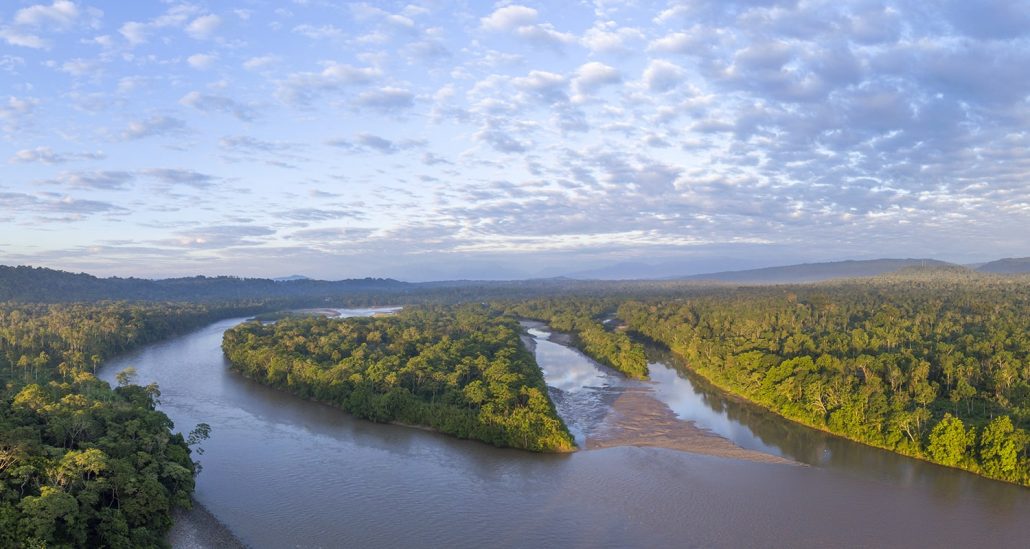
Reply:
x=134, y=32
x=260, y=62
x=217, y=103
x=662, y=76
x=202, y=61
x=62, y=14
x=79, y=67
x=607, y=37
x=509, y=18
x=322, y=32
x=106, y=179
x=387, y=99
x=153, y=126
x=301, y=88
x=23, y=39
x=592, y=76
x=545, y=35
x=16, y=112
x=46, y=155
x=203, y=27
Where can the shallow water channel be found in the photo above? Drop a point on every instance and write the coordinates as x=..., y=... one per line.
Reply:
x=283, y=472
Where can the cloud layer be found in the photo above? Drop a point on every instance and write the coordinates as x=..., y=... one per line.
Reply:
x=510, y=140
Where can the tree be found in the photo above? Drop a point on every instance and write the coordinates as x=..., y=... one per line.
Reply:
x=126, y=377
x=950, y=442
x=999, y=453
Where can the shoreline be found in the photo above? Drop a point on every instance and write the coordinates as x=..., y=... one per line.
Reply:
x=198, y=528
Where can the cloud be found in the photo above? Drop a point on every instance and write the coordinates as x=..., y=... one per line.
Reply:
x=169, y=176
x=545, y=35
x=608, y=38
x=386, y=99
x=217, y=103
x=301, y=88
x=521, y=21
x=320, y=214
x=219, y=236
x=153, y=126
x=509, y=18
x=244, y=143
x=105, y=180
x=367, y=141
x=80, y=67
x=46, y=155
x=61, y=14
x=323, y=32
x=592, y=76
x=22, y=39
x=176, y=16
x=662, y=76
x=261, y=62
x=201, y=61
x=16, y=113
x=203, y=27
x=65, y=207
x=501, y=140
x=133, y=31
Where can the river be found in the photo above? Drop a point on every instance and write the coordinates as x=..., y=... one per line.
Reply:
x=283, y=472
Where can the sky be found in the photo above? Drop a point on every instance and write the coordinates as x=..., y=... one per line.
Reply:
x=440, y=140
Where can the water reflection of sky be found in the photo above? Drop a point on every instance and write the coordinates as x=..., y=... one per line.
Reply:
x=366, y=311
x=679, y=394
x=577, y=386
x=565, y=368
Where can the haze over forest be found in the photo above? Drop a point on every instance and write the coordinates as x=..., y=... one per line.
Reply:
x=426, y=140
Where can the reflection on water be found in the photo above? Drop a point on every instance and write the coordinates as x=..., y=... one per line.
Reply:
x=688, y=403
x=582, y=392
x=283, y=472
x=753, y=427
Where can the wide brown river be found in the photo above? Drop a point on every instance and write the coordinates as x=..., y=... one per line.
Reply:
x=283, y=472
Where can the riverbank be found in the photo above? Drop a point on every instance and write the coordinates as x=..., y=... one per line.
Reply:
x=197, y=528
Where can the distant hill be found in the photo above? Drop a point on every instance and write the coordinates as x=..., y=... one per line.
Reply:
x=815, y=272
x=39, y=284
x=1011, y=265
x=290, y=278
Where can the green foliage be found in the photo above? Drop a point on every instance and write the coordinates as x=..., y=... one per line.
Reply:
x=459, y=370
x=933, y=368
x=949, y=442
x=82, y=464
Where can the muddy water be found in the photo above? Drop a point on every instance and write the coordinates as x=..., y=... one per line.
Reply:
x=283, y=472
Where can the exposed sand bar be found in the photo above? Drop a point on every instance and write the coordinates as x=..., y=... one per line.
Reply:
x=638, y=419
x=626, y=412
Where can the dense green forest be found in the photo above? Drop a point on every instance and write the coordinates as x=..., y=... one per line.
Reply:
x=935, y=368
x=581, y=319
x=461, y=370
x=82, y=464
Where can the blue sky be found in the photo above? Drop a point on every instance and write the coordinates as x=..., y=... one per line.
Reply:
x=436, y=139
